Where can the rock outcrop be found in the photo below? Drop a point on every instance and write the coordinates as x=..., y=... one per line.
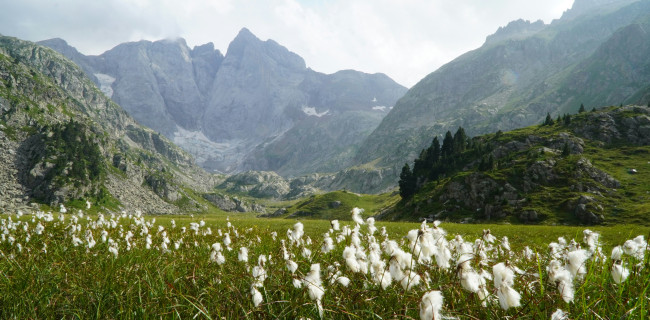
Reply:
x=233, y=204
x=569, y=172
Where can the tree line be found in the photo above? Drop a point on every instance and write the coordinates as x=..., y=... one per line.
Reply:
x=441, y=160
x=456, y=152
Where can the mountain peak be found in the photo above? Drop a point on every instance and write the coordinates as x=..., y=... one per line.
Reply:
x=516, y=29
x=60, y=45
x=178, y=41
x=243, y=39
x=583, y=6
x=245, y=34
x=246, y=41
x=57, y=41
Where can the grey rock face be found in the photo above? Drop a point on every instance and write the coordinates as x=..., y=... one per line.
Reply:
x=258, y=184
x=205, y=61
x=480, y=192
x=615, y=126
x=256, y=108
x=276, y=213
x=588, y=211
x=248, y=89
x=155, y=82
x=233, y=204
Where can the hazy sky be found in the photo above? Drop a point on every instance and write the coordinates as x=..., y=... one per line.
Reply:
x=405, y=39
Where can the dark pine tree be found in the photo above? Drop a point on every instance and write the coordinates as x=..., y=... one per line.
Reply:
x=447, y=148
x=419, y=165
x=549, y=120
x=460, y=140
x=406, y=182
x=433, y=153
x=582, y=108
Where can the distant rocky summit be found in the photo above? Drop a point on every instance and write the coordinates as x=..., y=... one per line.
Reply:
x=259, y=107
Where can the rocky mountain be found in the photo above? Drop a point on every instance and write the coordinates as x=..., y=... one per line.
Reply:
x=587, y=168
x=62, y=141
x=595, y=55
x=256, y=108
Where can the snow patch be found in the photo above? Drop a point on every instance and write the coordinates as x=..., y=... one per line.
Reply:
x=202, y=148
x=105, y=84
x=381, y=108
x=311, y=111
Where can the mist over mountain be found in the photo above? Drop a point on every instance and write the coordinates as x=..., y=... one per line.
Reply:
x=258, y=107
x=595, y=55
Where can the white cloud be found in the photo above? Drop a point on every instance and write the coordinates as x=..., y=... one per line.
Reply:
x=406, y=39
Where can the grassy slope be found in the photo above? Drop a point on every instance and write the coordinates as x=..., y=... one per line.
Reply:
x=320, y=206
x=628, y=204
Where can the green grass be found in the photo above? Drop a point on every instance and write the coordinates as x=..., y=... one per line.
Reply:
x=323, y=206
x=77, y=282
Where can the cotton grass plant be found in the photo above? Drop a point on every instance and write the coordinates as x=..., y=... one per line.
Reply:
x=74, y=265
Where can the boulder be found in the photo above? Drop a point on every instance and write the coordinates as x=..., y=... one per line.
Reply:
x=334, y=204
x=588, y=211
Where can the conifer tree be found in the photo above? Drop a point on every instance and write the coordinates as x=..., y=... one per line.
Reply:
x=460, y=140
x=406, y=182
x=447, y=148
x=582, y=108
x=549, y=120
x=434, y=151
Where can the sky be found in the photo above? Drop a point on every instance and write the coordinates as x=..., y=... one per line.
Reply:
x=405, y=39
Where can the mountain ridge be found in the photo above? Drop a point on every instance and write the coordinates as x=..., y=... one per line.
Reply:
x=63, y=141
x=505, y=84
x=238, y=104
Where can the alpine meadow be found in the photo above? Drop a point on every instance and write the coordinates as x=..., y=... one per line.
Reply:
x=166, y=178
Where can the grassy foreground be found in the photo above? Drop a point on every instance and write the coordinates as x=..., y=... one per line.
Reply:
x=54, y=266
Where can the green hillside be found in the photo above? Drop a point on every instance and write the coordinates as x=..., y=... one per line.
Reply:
x=597, y=57
x=63, y=142
x=593, y=168
x=338, y=205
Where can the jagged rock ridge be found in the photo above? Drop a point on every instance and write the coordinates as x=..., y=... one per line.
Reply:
x=258, y=107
